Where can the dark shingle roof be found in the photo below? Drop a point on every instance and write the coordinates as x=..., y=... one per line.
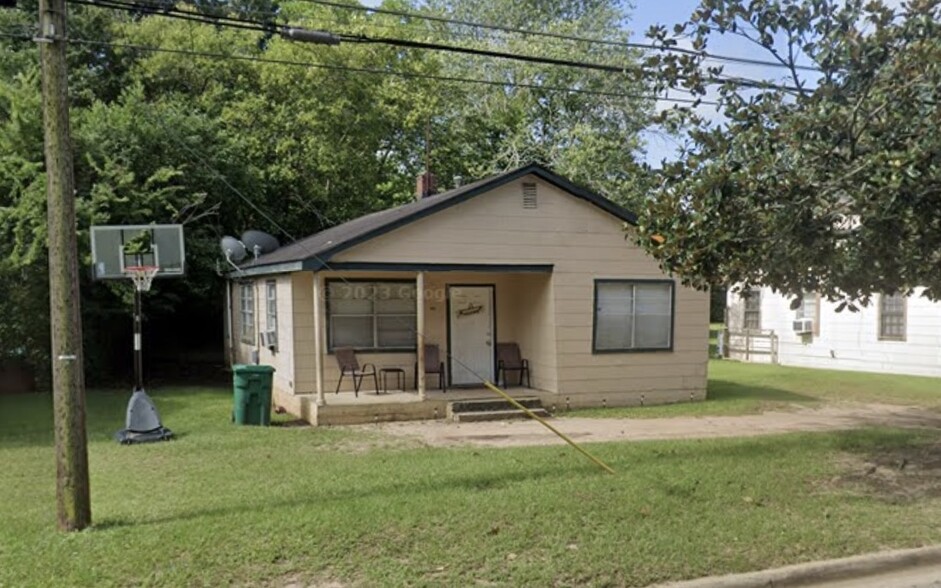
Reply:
x=313, y=252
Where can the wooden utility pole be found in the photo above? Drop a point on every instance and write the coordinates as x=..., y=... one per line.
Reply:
x=73, y=503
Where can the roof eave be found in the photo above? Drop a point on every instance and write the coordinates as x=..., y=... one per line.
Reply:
x=266, y=269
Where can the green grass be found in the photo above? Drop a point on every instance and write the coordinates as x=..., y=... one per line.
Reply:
x=242, y=505
x=742, y=388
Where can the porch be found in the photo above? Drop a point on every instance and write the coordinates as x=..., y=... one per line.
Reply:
x=396, y=405
x=386, y=314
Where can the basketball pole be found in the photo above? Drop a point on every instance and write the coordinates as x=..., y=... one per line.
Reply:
x=138, y=352
x=73, y=502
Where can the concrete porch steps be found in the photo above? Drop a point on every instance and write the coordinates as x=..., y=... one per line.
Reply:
x=492, y=409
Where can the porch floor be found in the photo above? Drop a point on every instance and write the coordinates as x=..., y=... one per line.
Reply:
x=401, y=396
x=396, y=405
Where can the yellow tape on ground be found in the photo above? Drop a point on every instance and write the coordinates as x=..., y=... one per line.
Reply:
x=543, y=422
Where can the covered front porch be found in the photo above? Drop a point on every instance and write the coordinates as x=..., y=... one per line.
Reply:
x=386, y=313
x=399, y=405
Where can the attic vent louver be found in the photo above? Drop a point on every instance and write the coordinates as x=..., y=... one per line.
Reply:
x=529, y=195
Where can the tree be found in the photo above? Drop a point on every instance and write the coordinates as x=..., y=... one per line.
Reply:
x=591, y=137
x=223, y=143
x=828, y=180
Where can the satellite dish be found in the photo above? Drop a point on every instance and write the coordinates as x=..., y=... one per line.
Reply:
x=259, y=242
x=233, y=249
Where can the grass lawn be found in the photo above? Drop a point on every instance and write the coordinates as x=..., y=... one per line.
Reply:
x=248, y=506
x=736, y=388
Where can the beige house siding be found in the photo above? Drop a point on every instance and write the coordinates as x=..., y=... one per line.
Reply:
x=282, y=359
x=302, y=289
x=583, y=243
x=523, y=314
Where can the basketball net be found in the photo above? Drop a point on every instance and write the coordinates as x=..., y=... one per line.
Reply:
x=141, y=275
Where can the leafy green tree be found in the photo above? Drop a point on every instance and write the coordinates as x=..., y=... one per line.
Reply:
x=592, y=137
x=828, y=180
x=225, y=144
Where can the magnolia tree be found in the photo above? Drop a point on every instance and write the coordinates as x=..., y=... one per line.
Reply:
x=825, y=180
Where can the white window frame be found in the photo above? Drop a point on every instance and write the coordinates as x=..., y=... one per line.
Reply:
x=271, y=311
x=371, y=286
x=882, y=315
x=753, y=295
x=632, y=349
x=247, y=312
x=801, y=312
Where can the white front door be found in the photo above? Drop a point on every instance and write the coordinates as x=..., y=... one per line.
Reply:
x=470, y=323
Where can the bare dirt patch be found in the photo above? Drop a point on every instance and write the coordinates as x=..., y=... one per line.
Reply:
x=831, y=417
x=296, y=581
x=897, y=475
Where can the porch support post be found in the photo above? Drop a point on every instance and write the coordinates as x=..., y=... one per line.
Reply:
x=318, y=338
x=420, y=327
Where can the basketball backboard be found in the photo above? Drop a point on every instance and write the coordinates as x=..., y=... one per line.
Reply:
x=116, y=247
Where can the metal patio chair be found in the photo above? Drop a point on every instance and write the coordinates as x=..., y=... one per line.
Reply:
x=509, y=360
x=346, y=359
x=434, y=366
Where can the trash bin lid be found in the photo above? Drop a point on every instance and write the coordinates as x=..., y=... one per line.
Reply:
x=250, y=368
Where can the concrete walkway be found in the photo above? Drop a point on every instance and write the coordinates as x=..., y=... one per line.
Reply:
x=830, y=417
x=903, y=568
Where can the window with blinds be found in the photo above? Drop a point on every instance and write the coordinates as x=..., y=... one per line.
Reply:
x=633, y=315
x=378, y=315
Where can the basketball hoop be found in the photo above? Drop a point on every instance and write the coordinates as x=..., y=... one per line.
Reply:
x=141, y=275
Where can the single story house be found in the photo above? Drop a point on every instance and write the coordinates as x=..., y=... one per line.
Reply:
x=894, y=334
x=524, y=257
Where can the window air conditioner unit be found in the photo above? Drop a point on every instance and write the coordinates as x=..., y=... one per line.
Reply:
x=269, y=339
x=803, y=326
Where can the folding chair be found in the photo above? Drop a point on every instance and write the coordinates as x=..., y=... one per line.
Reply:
x=509, y=360
x=346, y=358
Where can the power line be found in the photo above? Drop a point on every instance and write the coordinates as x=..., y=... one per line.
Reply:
x=408, y=75
x=271, y=29
x=170, y=12
x=399, y=26
x=508, y=29
x=547, y=60
x=236, y=23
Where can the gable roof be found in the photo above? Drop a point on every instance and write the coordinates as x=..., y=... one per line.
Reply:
x=313, y=252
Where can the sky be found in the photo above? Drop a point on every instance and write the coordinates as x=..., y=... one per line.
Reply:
x=670, y=12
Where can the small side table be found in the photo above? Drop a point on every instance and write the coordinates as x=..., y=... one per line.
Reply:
x=399, y=377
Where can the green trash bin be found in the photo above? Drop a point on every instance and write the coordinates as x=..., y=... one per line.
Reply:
x=251, y=386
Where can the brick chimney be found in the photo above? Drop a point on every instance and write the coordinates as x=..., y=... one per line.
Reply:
x=426, y=185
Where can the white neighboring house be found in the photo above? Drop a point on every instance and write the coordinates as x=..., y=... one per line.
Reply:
x=894, y=334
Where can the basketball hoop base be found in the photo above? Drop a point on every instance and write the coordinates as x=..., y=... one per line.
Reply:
x=125, y=437
x=142, y=424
